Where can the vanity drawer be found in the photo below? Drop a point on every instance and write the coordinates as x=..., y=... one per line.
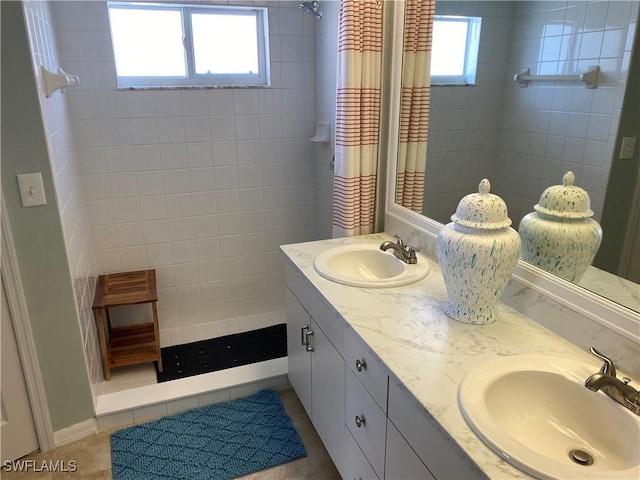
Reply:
x=366, y=367
x=366, y=422
x=356, y=466
x=443, y=456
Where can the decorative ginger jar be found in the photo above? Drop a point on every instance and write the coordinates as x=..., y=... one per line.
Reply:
x=560, y=236
x=477, y=252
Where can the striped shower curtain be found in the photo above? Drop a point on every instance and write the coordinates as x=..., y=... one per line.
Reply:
x=357, y=116
x=414, y=110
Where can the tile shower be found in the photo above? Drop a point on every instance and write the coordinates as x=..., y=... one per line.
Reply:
x=202, y=185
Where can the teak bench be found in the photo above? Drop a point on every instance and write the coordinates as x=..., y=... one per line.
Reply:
x=132, y=344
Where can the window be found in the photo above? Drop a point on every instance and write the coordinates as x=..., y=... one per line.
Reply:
x=454, y=56
x=167, y=45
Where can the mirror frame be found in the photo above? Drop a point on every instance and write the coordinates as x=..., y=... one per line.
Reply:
x=609, y=314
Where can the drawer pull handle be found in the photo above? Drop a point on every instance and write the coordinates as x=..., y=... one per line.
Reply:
x=306, y=327
x=308, y=345
x=360, y=421
x=361, y=365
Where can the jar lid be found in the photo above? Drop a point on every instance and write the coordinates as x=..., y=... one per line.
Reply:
x=566, y=200
x=482, y=210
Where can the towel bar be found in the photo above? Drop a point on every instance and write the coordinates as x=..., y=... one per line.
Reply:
x=590, y=77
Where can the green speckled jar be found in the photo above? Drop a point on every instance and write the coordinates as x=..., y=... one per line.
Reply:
x=560, y=236
x=477, y=252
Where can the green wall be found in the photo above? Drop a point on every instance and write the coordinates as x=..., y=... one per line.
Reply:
x=37, y=232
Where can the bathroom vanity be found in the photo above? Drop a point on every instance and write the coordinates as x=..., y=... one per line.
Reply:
x=378, y=370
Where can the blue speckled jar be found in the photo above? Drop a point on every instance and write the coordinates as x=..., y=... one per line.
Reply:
x=560, y=236
x=477, y=252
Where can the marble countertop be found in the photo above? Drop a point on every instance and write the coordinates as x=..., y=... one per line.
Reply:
x=428, y=353
x=613, y=287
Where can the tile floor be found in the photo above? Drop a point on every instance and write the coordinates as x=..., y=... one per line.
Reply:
x=93, y=458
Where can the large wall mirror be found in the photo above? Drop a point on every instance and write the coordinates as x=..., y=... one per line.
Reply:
x=524, y=138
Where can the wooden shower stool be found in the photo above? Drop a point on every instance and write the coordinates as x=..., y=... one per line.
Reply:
x=132, y=344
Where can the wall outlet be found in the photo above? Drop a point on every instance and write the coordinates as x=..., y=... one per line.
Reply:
x=628, y=148
x=31, y=189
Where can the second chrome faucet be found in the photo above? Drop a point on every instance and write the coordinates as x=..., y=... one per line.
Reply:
x=607, y=381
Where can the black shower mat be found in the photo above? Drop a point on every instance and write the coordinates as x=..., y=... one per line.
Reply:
x=186, y=360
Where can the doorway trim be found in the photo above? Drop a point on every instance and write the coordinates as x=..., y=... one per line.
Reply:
x=24, y=335
x=627, y=268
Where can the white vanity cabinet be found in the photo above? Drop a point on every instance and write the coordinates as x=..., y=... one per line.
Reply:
x=316, y=372
x=372, y=429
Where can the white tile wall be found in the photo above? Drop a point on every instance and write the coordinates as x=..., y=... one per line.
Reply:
x=65, y=166
x=197, y=184
x=549, y=128
x=524, y=139
x=202, y=185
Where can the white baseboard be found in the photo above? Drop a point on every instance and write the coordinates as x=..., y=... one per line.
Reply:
x=75, y=432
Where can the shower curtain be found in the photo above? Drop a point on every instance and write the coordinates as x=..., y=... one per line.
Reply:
x=414, y=111
x=357, y=116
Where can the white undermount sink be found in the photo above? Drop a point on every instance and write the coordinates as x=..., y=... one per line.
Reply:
x=536, y=413
x=365, y=265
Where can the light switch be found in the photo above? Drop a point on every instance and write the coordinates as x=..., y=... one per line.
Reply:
x=31, y=189
x=628, y=148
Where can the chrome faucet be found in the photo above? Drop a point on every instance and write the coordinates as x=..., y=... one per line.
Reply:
x=406, y=253
x=607, y=381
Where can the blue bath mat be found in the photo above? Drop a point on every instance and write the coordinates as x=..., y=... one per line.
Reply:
x=220, y=441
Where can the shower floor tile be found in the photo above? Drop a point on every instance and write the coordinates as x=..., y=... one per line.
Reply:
x=131, y=376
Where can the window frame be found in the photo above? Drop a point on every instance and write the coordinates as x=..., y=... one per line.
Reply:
x=192, y=79
x=472, y=42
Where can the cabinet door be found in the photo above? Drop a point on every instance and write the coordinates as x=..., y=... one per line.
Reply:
x=328, y=392
x=401, y=461
x=438, y=451
x=298, y=358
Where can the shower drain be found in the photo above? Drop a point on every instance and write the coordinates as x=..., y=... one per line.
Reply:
x=581, y=457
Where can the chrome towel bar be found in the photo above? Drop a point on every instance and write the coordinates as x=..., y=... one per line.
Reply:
x=590, y=77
